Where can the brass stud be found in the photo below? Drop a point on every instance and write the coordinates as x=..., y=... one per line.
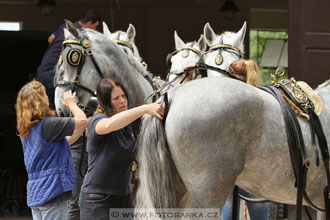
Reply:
x=218, y=60
x=86, y=43
x=185, y=54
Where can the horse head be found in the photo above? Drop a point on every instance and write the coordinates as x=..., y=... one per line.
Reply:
x=184, y=54
x=225, y=49
x=88, y=56
x=126, y=40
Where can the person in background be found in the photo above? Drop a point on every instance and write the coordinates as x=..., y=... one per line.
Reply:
x=46, y=70
x=111, y=148
x=47, y=157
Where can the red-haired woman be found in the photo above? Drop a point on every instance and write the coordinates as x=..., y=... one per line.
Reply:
x=46, y=150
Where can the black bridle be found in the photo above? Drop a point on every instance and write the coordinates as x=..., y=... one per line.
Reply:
x=76, y=57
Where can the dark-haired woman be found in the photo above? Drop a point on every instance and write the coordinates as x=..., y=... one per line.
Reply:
x=111, y=148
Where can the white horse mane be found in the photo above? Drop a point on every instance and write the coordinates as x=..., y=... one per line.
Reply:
x=325, y=84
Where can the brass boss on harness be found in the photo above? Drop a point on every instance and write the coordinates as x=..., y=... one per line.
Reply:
x=76, y=57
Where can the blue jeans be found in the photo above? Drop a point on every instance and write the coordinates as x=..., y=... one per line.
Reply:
x=97, y=206
x=257, y=211
x=53, y=211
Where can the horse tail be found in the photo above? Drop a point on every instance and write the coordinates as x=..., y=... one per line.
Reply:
x=156, y=168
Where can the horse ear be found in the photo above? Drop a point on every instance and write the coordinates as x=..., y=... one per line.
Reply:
x=202, y=43
x=209, y=34
x=179, y=44
x=106, y=30
x=130, y=32
x=71, y=28
x=240, y=35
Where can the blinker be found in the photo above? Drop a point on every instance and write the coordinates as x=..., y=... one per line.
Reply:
x=74, y=57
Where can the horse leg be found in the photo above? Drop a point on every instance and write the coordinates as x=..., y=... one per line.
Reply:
x=203, y=196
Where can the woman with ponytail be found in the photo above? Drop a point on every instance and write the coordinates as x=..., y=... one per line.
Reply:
x=111, y=148
x=247, y=71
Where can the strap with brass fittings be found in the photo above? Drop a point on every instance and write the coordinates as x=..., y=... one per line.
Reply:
x=124, y=43
x=226, y=46
x=300, y=95
x=194, y=50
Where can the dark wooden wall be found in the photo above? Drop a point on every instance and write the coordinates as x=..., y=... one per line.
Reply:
x=309, y=40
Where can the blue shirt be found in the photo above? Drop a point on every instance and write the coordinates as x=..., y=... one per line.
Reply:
x=50, y=58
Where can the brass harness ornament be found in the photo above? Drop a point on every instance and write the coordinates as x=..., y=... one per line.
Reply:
x=297, y=91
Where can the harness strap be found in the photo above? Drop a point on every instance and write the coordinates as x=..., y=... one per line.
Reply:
x=166, y=107
x=74, y=85
x=125, y=44
x=226, y=46
x=296, y=143
x=235, y=209
x=97, y=67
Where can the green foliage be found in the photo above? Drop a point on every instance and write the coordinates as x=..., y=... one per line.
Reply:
x=257, y=42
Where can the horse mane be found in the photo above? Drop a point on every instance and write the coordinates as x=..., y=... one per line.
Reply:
x=136, y=62
x=109, y=55
x=325, y=84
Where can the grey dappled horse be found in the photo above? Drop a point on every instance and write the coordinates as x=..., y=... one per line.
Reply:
x=184, y=55
x=220, y=132
x=112, y=61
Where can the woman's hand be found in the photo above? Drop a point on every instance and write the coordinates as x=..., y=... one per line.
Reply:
x=69, y=99
x=155, y=109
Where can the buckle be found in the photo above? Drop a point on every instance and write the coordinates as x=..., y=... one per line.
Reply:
x=77, y=78
x=307, y=163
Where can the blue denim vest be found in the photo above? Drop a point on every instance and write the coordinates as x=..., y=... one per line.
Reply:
x=49, y=167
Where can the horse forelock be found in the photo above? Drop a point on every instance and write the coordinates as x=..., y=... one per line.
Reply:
x=228, y=37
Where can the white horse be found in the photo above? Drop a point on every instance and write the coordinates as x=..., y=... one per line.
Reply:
x=184, y=55
x=220, y=132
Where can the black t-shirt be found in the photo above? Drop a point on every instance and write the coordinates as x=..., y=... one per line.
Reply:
x=55, y=128
x=110, y=158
